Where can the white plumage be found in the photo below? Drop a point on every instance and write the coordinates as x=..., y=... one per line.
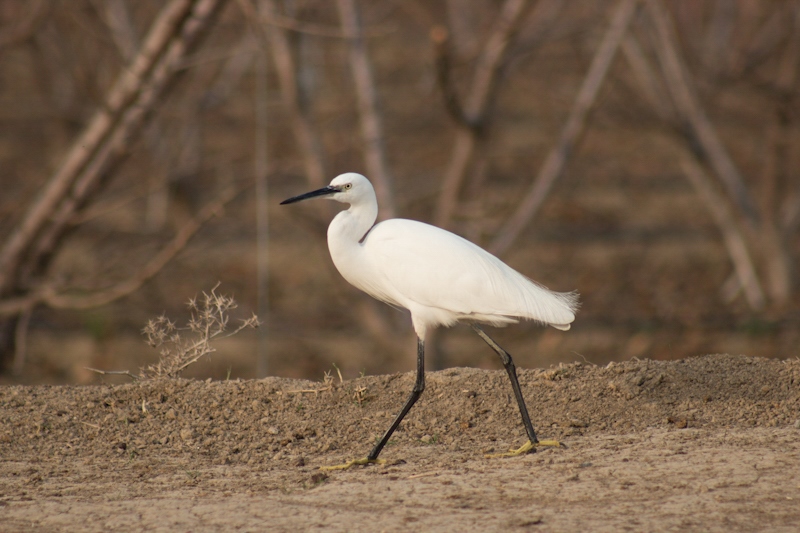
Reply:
x=438, y=276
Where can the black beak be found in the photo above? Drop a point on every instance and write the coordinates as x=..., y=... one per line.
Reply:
x=313, y=194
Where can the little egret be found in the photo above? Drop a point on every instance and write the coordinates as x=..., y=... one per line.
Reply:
x=439, y=277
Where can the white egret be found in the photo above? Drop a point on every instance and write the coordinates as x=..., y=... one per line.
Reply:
x=439, y=277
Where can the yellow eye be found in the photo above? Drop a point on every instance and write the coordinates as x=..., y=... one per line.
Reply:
x=348, y=186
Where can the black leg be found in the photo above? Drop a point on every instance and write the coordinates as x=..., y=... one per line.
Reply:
x=416, y=392
x=508, y=363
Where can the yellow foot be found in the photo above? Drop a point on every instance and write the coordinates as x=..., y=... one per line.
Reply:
x=354, y=462
x=525, y=448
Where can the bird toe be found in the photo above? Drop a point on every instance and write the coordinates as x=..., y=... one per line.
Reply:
x=355, y=462
x=528, y=447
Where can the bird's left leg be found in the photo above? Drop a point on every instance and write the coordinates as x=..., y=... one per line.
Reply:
x=508, y=363
x=416, y=392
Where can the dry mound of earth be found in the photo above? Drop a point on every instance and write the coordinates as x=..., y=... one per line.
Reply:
x=709, y=444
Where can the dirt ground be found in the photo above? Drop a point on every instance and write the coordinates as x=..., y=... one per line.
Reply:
x=709, y=443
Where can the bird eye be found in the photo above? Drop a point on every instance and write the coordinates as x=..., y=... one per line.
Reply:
x=348, y=186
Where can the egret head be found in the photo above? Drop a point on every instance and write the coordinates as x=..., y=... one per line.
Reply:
x=347, y=188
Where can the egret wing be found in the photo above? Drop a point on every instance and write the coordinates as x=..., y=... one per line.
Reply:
x=436, y=268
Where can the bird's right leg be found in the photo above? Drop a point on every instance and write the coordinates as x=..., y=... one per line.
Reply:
x=416, y=392
x=511, y=370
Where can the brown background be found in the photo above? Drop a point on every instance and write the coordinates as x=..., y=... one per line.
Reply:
x=622, y=225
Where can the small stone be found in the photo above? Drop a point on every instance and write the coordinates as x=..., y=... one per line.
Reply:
x=426, y=439
x=533, y=520
x=680, y=423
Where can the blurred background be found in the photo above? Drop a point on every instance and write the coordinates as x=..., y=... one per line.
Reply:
x=644, y=153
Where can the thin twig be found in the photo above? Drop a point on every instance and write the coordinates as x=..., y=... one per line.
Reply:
x=128, y=122
x=260, y=174
x=282, y=23
x=556, y=160
x=21, y=341
x=472, y=116
x=303, y=127
x=440, y=37
x=425, y=474
x=647, y=79
x=50, y=297
x=732, y=237
x=691, y=111
x=762, y=43
x=309, y=391
x=327, y=381
x=368, y=109
x=93, y=139
x=112, y=373
x=23, y=27
x=208, y=321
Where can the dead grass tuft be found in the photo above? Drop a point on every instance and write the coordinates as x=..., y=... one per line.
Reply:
x=180, y=347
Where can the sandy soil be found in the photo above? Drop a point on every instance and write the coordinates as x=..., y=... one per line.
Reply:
x=705, y=444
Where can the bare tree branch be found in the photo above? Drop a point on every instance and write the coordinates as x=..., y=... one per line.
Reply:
x=25, y=26
x=462, y=19
x=778, y=189
x=102, y=145
x=556, y=160
x=368, y=111
x=691, y=111
x=541, y=24
x=474, y=112
x=717, y=40
x=277, y=20
x=761, y=44
x=789, y=212
x=261, y=171
x=111, y=149
x=732, y=237
x=647, y=79
x=60, y=299
x=127, y=373
x=21, y=344
x=232, y=72
x=129, y=100
x=765, y=238
x=302, y=123
x=122, y=29
x=788, y=69
x=125, y=37
x=440, y=38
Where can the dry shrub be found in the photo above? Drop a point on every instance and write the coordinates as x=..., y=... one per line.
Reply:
x=181, y=347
